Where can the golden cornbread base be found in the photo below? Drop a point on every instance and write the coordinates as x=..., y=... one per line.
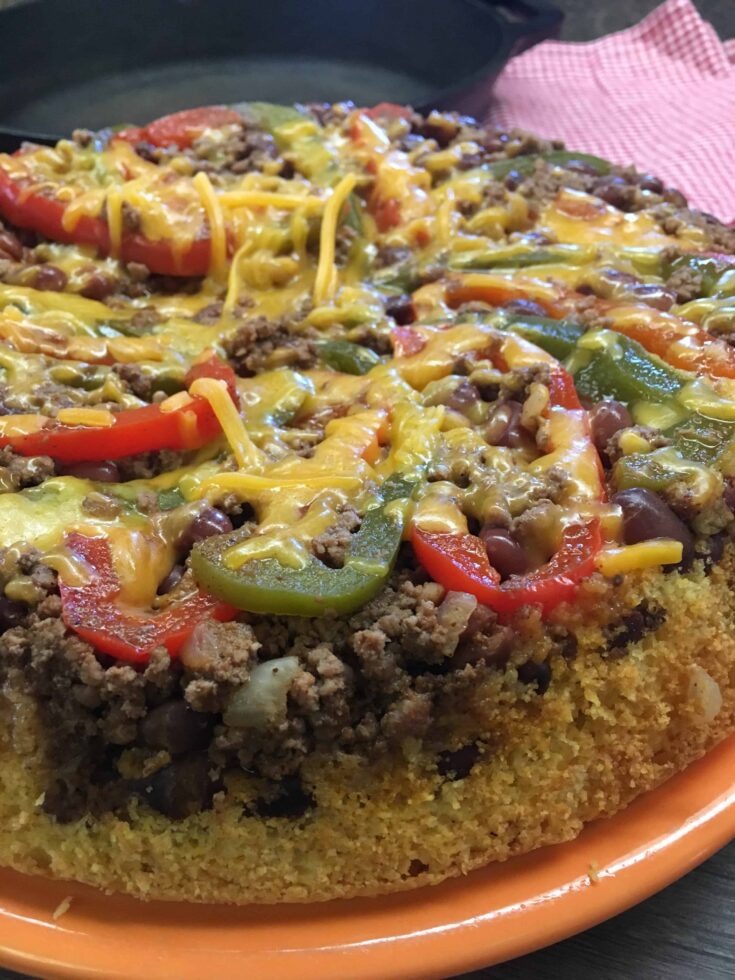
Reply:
x=606, y=731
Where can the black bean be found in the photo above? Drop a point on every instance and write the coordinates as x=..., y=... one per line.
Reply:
x=11, y=613
x=291, y=800
x=646, y=618
x=99, y=286
x=102, y=471
x=653, y=295
x=513, y=179
x=50, y=278
x=646, y=516
x=535, y=673
x=464, y=396
x=675, y=197
x=173, y=726
x=647, y=182
x=10, y=246
x=401, y=309
x=482, y=620
x=210, y=521
x=171, y=580
x=504, y=427
x=714, y=549
x=458, y=764
x=180, y=789
x=607, y=418
x=615, y=191
x=505, y=553
x=491, y=647
x=525, y=307
x=728, y=493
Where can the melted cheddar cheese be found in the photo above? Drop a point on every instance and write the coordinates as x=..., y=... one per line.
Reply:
x=309, y=438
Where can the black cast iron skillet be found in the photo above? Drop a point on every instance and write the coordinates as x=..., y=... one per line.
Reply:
x=94, y=63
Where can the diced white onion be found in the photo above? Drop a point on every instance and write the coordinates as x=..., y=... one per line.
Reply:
x=705, y=689
x=261, y=703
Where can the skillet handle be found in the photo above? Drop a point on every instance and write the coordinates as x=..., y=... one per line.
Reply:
x=527, y=21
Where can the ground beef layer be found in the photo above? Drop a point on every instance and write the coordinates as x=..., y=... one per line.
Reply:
x=607, y=729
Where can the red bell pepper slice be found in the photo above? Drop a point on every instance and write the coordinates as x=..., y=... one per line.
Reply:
x=406, y=341
x=212, y=366
x=31, y=209
x=681, y=344
x=92, y=610
x=180, y=128
x=139, y=430
x=387, y=213
x=460, y=562
x=497, y=291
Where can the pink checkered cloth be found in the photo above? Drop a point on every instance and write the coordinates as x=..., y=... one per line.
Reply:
x=660, y=95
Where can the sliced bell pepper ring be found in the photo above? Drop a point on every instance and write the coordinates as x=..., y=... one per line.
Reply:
x=556, y=337
x=344, y=356
x=92, y=610
x=563, y=158
x=460, y=563
x=180, y=128
x=138, y=430
x=678, y=342
x=27, y=208
x=264, y=585
x=498, y=290
x=212, y=366
x=625, y=371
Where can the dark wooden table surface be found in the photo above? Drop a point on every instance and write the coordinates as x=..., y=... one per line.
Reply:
x=687, y=931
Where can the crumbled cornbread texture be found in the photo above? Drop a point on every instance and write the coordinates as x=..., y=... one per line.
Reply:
x=609, y=728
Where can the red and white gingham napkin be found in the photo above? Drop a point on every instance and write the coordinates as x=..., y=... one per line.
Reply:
x=660, y=95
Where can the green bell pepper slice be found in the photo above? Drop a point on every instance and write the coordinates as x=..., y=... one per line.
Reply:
x=609, y=365
x=515, y=258
x=613, y=366
x=264, y=585
x=298, y=134
x=557, y=337
x=662, y=468
x=525, y=164
x=344, y=356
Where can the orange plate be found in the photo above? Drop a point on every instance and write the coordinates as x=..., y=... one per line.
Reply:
x=486, y=917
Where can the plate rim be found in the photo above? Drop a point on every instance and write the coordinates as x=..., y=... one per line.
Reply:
x=697, y=806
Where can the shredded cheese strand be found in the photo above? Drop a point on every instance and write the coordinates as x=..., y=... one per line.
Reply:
x=246, y=453
x=252, y=483
x=645, y=554
x=114, y=220
x=233, y=279
x=325, y=283
x=217, y=235
x=267, y=199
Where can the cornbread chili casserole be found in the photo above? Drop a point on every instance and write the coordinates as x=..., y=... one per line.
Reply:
x=367, y=499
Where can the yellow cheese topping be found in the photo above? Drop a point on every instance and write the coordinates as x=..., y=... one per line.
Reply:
x=325, y=282
x=310, y=443
x=645, y=554
x=217, y=233
x=245, y=452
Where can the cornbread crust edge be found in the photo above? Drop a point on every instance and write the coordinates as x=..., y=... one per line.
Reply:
x=608, y=729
